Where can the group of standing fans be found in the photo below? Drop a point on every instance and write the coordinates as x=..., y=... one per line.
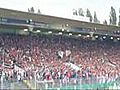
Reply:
x=47, y=57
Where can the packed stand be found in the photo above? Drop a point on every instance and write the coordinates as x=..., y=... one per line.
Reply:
x=54, y=57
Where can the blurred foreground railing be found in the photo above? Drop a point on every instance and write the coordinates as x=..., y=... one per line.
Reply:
x=12, y=84
x=62, y=84
x=74, y=84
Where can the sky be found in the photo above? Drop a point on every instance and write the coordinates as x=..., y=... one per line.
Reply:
x=64, y=8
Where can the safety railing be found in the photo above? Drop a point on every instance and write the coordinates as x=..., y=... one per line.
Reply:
x=73, y=83
x=62, y=84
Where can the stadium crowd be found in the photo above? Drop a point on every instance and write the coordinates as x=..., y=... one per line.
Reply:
x=55, y=57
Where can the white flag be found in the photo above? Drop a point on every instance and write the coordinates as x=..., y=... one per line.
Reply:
x=60, y=53
x=67, y=52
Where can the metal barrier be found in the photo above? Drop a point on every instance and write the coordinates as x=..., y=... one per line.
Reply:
x=12, y=84
x=73, y=83
x=62, y=84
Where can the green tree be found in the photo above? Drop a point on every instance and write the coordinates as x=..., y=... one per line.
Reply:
x=110, y=20
x=75, y=12
x=28, y=10
x=80, y=12
x=89, y=15
x=113, y=18
x=95, y=18
x=105, y=22
x=39, y=12
x=119, y=18
x=32, y=10
x=119, y=21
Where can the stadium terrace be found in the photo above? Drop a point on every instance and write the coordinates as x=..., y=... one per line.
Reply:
x=46, y=52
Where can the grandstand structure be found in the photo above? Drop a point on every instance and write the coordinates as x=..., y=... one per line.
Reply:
x=36, y=44
x=56, y=23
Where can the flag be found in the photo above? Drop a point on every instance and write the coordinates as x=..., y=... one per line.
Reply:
x=60, y=54
x=67, y=52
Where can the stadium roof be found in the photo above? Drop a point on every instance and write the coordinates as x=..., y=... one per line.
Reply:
x=54, y=20
x=58, y=21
